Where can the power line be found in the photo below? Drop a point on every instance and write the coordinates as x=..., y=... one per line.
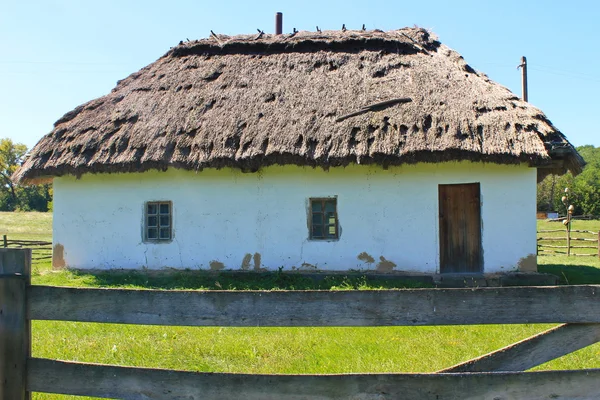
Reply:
x=583, y=77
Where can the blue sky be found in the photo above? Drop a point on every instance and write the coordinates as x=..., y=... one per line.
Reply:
x=57, y=54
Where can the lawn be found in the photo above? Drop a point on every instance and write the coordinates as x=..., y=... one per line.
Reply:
x=273, y=350
x=572, y=270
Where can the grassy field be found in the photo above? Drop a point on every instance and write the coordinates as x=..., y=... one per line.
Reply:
x=274, y=350
x=572, y=270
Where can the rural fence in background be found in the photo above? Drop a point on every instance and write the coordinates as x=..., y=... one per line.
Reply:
x=42, y=250
x=585, y=243
x=576, y=307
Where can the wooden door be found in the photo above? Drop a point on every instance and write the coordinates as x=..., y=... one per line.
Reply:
x=460, y=228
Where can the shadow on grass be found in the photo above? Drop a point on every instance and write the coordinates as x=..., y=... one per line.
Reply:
x=247, y=280
x=572, y=274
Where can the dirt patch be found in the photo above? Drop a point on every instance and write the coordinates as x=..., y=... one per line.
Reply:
x=528, y=264
x=366, y=257
x=216, y=265
x=257, y=261
x=58, y=256
x=246, y=262
x=385, y=265
x=307, y=267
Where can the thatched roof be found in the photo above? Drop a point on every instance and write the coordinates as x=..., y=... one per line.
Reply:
x=317, y=99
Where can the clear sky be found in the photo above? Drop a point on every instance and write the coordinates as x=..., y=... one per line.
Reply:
x=57, y=54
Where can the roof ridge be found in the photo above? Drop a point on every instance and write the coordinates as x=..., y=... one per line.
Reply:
x=403, y=39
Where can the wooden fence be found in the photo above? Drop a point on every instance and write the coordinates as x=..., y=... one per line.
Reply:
x=576, y=307
x=42, y=250
x=548, y=244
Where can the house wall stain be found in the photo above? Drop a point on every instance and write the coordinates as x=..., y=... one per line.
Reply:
x=366, y=257
x=385, y=265
x=257, y=262
x=246, y=262
x=307, y=267
x=58, y=256
x=528, y=264
x=216, y=265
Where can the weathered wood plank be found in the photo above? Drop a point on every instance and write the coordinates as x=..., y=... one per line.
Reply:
x=15, y=261
x=13, y=341
x=535, y=350
x=558, y=239
x=28, y=242
x=141, y=383
x=506, y=305
x=15, y=328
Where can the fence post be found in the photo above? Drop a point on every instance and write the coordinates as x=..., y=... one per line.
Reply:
x=568, y=237
x=15, y=327
x=5, y=241
x=598, y=244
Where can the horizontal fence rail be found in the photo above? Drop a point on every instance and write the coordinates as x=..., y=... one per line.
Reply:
x=507, y=305
x=144, y=383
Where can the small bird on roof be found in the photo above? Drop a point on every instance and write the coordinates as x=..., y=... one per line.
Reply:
x=343, y=27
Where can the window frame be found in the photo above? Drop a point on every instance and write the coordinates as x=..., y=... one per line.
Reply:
x=158, y=214
x=324, y=225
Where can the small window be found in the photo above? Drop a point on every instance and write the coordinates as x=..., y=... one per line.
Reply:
x=158, y=220
x=323, y=219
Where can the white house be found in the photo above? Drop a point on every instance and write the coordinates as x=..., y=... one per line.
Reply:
x=310, y=151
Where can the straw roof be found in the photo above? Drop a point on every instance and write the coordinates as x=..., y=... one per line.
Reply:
x=320, y=99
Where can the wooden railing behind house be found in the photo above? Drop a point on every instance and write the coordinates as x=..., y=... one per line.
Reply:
x=576, y=307
x=574, y=242
x=42, y=250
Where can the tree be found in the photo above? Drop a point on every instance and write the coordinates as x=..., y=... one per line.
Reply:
x=11, y=156
x=584, y=188
x=19, y=197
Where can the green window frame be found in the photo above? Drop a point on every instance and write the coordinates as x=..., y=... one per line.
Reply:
x=158, y=221
x=324, y=219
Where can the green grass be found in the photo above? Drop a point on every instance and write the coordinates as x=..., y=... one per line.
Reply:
x=273, y=350
x=34, y=225
x=571, y=270
x=284, y=350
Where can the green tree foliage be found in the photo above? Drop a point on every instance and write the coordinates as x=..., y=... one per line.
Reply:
x=14, y=197
x=584, y=188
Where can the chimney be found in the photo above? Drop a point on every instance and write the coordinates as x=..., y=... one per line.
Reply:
x=278, y=23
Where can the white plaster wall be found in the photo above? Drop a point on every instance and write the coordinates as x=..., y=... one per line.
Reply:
x=222, y=215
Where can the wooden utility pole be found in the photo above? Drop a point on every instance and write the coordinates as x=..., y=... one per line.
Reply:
x=523, y=67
